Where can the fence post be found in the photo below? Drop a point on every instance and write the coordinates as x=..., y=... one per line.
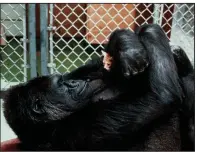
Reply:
x=50, y=29
x=25, y=44
x=44, y=38
x=156, y=13
x=32, y=38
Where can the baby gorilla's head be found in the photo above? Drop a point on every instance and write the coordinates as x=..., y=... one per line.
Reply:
x=46, y=99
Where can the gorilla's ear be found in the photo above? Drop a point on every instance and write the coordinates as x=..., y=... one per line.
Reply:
x=38, y=107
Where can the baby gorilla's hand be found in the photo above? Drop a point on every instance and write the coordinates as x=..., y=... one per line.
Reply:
x=131, y=63
x=107, y=61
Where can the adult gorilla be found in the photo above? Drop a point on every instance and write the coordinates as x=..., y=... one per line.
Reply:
x=48, y=113
x=51, y=113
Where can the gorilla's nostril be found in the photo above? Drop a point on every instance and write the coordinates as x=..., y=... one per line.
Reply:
x=56, y=78
x=100, y=98
x=72, y=81
x=127, y=74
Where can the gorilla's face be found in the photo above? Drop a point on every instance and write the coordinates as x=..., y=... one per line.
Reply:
x=48, y=98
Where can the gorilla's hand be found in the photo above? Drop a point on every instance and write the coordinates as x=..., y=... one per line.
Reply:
x=127, y=53
x=182, y=61
x=133, y=62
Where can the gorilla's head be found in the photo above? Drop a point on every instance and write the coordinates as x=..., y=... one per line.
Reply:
x=47, y=98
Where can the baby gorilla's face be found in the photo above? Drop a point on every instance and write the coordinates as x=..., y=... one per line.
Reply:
x=48, y=98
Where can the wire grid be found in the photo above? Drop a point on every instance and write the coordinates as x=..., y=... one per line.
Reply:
x=183, y=28
x=12, y=54
x=80, y=30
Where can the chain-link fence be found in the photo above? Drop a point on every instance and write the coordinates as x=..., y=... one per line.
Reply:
x=13, y=50
x=82, y=29
x=77, y=32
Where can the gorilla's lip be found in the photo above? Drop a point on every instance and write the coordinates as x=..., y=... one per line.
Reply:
x=96, y=86
x=83, y=88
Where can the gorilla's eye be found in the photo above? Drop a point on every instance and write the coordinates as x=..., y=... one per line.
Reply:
x=71, y=84
x=60, y=81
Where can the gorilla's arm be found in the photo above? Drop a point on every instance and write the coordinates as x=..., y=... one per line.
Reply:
x=160, y=100
x=92, y=69
x=186, y=73
x=165, y=90
x=183, y=63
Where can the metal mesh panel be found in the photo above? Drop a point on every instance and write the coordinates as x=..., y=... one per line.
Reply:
x=183, y=28
x=12, y=53
x=78, y=31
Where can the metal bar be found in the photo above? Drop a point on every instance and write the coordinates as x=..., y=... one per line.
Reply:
x=51, y=38
x=161, y=14
x=156, y=13
x=44, y=38
x=25, y=45
x=12, y=20
x=32, y=38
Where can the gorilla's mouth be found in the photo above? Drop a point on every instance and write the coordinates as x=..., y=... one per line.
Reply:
x=87, y=89
x=96, y=86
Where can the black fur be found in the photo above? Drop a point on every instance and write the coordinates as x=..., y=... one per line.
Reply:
x=161, y=92
x=129, y=55
x=45, y=117
x=187, y=113
x=50, y=117
x=162, y=78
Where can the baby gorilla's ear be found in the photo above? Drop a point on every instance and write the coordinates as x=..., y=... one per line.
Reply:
x=38, y=107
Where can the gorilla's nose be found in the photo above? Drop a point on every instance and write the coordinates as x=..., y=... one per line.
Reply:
x=55, y=79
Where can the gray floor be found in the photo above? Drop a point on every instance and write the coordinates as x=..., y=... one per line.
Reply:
x=6, y=132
